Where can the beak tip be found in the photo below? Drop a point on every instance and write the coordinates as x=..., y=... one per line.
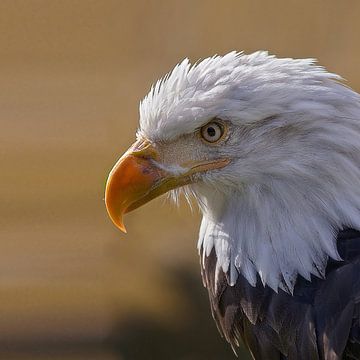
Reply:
x=122, y=227
x=117, y=221
x=115, y=216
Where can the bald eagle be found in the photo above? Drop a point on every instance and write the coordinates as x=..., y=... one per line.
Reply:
x=270, y=149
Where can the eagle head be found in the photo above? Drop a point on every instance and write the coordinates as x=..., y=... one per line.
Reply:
x=269, y=148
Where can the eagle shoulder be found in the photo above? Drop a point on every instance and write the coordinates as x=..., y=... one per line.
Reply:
x=321, y=320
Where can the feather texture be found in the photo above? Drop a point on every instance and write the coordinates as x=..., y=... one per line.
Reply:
x=320, y=321
x=281, y=273
x=294, y=145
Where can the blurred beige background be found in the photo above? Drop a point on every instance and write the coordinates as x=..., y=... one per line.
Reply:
x=72, y=73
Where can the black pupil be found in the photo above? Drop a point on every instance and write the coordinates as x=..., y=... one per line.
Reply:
x=211, y=131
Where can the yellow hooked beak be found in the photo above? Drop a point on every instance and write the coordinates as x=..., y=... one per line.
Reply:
x=136, y=179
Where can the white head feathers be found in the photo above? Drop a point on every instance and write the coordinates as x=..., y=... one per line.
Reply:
x=295, y=175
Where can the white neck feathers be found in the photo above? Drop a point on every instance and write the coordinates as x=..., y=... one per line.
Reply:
x=286, y=223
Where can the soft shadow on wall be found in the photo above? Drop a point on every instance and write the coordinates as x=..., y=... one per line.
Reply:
x=140, y=337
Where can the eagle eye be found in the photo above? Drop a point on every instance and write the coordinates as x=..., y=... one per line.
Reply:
x=212, y=132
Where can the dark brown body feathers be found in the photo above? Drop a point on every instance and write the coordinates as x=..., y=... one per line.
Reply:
x=320, y=321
